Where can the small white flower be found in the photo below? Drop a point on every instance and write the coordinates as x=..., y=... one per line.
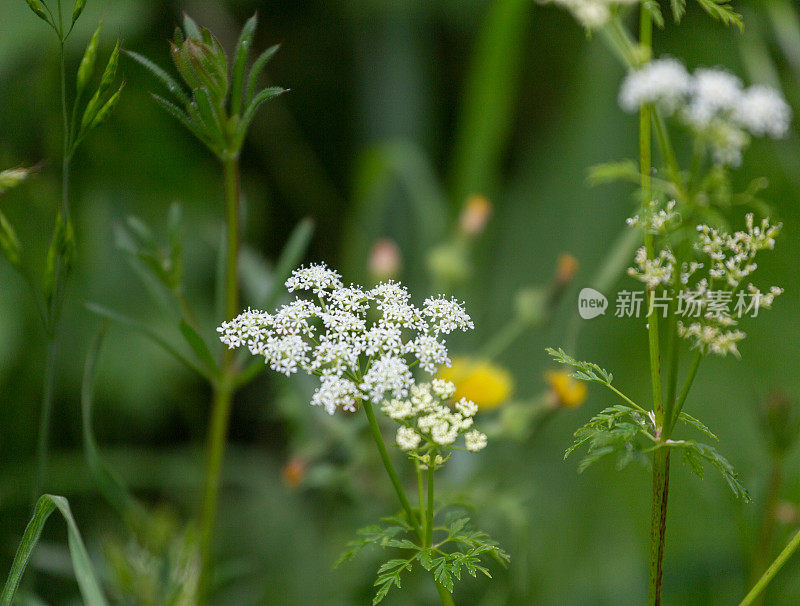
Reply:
x=335, y=392
x=443, y=388
x=764, y=112
x=443, y=433
x=398, y=409
x=475, y=440
x=446, y=315
x=316, y=278
x=468, y=408
x=407, y=438
x=663, y=81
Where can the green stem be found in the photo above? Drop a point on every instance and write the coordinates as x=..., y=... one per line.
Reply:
x=668, y=154
x=687, y=385
x=222, y=398
x=429, y=511
x=45, y=414
x=231, y=169
x=53, y=311
x=421, y=497
x=787, y=552
x=387, y=463
x=444, y=594
x=661, y=456
x=768, y=523
x=658, y=524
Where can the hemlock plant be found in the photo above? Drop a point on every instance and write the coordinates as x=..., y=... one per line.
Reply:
x=363, y=345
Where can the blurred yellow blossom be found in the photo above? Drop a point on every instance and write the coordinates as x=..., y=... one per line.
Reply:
x=565, y=390
x=486, y=384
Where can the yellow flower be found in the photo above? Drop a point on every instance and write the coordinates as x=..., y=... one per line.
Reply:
x=486, y=384
x=565, y=390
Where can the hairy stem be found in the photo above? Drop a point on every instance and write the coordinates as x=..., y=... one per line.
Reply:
x=658, y=524
x=222, y=398
x=773, y=569
x=661, y=456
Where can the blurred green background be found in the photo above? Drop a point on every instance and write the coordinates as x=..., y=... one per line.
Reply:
x=397, y=112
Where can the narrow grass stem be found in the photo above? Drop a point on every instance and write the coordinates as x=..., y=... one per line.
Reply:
x=773, y=569
x=761, y=556
x=52, y=312
x=45, y=414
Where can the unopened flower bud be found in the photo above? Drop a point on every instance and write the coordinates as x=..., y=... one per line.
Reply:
x=385, y=260
x=293, y=472
x=566, y=268
x=475, y=215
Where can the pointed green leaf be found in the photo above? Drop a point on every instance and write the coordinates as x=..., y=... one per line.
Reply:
x=167, y=80
x=109, y=484
x=81, y=564
x=9, y=242
x=262, y=97
x=240, y=60
x=256, y=70
x=150, y=333
x=191, y=28
x=199, y=347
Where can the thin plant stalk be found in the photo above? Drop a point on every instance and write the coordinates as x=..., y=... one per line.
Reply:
x=53, y=311
x=773, y=569
x=425, y=533
x=658, y=519
x=222, y=398
x=768, y=522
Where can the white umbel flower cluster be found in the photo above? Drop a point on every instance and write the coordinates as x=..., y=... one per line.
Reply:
x=335, y=337
x=653, y=272
x=427, y=423
x=712, y=102
x=733, y=255
x=731, y=259
x=657, y=220
x=592, y=14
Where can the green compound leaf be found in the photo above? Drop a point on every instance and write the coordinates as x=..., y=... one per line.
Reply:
x=723, y=11
x=586, y=371
x=695, y=453
x=617, y=430
x=389, y=576
x=81, y=564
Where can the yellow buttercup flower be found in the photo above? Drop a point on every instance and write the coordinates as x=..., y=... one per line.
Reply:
x=565, y=389
x=486, y=384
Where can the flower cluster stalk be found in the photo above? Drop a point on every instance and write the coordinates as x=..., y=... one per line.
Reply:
x=425, y=531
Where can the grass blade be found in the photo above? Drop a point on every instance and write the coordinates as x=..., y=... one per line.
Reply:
x=81, y=564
